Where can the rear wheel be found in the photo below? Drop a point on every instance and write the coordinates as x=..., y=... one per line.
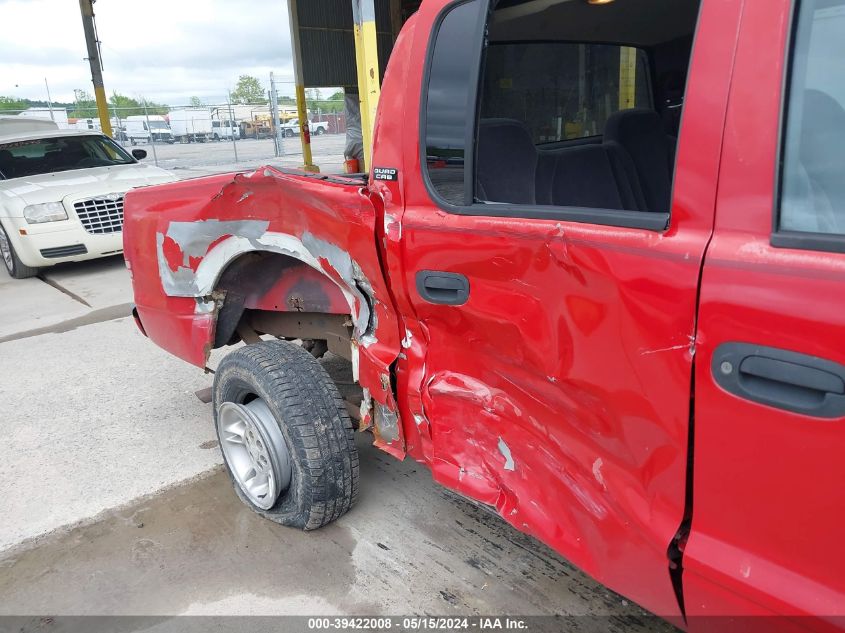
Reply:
x=17, y=269
x=286, y=437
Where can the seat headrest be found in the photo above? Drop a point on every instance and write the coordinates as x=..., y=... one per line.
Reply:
x=507, y=160
x=508, y=131
x=637, y=120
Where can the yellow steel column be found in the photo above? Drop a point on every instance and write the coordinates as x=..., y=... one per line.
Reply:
x=87, y=9
x=366, y=57
x=627, y=77
x=301, y=106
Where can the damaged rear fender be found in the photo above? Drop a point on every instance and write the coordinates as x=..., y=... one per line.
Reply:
x=261, y=243
x=200, y=283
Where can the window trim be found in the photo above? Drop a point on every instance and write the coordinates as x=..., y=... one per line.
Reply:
x=801, y=240
x=647, y=220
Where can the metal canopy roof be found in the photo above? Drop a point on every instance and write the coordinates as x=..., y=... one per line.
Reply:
x=327, y=41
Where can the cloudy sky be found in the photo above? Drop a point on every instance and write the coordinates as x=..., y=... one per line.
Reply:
x=165, y=50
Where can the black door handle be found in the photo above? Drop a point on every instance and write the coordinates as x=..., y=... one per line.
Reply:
x=435, y=286
x=779, y=378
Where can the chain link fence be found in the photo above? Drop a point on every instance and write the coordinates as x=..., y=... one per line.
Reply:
x=201, y=138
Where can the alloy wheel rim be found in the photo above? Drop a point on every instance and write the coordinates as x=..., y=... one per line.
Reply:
x=5, y=250
x=255, y=451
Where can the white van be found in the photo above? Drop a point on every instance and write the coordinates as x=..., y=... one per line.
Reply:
x=158, y=129
x=191, y=125
x=225, y=130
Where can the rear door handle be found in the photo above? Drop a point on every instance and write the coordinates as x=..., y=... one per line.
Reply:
x=436, y=286
x=779, y=378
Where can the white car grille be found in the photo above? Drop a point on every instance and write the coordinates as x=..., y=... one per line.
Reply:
x=101, y=215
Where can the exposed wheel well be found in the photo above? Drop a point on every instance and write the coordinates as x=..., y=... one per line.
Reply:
x=271, y=293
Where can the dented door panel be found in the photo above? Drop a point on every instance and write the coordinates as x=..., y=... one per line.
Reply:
x=559, y=393
x=180, y=239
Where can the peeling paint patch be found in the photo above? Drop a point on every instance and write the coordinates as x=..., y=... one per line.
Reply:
x=389, y=222
x=205, y=305
x=406, y=342
x=597, y=472
x=366, y=407
x=193, y=239
x=244, y=197
x=505, y=450
x=387, y=423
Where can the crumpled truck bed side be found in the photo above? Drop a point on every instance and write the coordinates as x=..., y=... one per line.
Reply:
x=181, y=238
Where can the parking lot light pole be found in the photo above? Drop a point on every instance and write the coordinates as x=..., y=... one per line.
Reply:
x=277, y=123
x=232, y=124
x=150, y=131
x=86, y=7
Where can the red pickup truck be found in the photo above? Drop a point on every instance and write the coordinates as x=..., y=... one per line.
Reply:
x=594, y=279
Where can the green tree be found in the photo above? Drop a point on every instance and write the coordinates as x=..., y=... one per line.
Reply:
x=196, y=102
x=84, y=105
x=124, y=106
x=248, y=90
x=13, y=103
x=313, y=97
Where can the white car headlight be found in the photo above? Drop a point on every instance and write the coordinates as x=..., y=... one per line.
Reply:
x=46, y=212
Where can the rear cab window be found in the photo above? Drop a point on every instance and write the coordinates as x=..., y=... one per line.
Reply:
x=560, y=125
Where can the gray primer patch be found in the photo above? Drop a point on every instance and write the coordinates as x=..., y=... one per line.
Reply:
x=193, y=239
x=387, y=423
x=505, y=450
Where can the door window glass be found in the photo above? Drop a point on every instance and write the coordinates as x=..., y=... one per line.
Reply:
x=813, y=177
x=447, y=111
x=560, y=90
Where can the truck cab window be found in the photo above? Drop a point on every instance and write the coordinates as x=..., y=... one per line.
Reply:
x=447, y=100
x=570, y=114
x=812, y=185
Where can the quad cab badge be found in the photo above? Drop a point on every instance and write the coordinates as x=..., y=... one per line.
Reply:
x=386, y=173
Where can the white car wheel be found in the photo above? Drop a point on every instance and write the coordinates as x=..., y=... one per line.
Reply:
x=17, y=269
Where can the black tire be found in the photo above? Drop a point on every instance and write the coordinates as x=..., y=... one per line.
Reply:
x=314, y=424
x=320, y=131
x=289, y=133
x=17, y=269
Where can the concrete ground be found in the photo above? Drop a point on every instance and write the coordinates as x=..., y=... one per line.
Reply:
x=114, y=501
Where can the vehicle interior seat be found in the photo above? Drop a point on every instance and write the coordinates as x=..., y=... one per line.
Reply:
x=506, y=162
x=7, y=164
x=640, y=133
x=592, y=175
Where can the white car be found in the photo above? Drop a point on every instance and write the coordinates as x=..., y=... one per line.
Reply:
x=61, y=193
